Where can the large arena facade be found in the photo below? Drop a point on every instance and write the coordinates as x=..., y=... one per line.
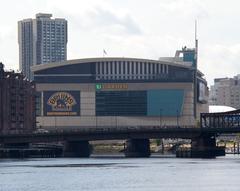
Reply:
x=107, y=91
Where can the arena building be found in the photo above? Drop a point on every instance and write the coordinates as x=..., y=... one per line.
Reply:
x=107, y=91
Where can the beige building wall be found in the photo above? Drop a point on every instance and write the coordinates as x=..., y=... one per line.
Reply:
x=87, y=116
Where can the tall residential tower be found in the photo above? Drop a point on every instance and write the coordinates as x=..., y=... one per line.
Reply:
x=41, y=40
x=226, y=91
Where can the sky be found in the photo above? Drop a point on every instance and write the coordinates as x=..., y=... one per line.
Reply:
x=135, y=28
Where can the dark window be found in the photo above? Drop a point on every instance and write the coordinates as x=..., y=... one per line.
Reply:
x=102, y=67
x=107, y=72
x=98, y=68
x=149, y=68
x=137, y=65
x=141, y=67
x=132, y=67
x=115, y=67
x=153, y=68
x=121, y=103
x=111, y=67
x=145, y=68
x=119, y=67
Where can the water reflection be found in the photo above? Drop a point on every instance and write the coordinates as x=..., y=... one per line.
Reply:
x=118, y=173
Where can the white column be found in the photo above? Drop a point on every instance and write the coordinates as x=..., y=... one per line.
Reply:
x=100, y=71
x=144, y=71
x=113, y=69
x=137, y=69
x=134, y=70
x=147, y=72
x=155, y=68
x=96, y=68
x=109, y=70
x=159, y=69
x=117, y=65
x=126, y=69
x=130, y=70
x=105, y=69
x=151, y=70
x=121, y=63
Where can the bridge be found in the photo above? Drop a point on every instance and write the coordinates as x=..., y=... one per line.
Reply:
x=203, y=137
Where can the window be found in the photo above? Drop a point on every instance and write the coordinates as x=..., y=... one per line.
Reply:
x=121, y=103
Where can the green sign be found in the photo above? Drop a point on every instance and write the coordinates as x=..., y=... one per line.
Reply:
x=98, y=86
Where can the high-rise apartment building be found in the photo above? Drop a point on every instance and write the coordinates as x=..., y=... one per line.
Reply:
x=225, y=91
x=41, y=40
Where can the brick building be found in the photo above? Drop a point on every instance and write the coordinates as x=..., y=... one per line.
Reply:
x=17, y=103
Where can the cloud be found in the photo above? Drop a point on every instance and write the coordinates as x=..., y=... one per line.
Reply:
x=185, y=8
x=220, y=60
x=108, y=21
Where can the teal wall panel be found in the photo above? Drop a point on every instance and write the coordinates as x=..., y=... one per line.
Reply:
x=165, y=102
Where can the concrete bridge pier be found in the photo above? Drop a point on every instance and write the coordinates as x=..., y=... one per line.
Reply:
x=16, y=145
x=77, y=149
x=14, y=150
x=205, y=147
x=137, y=148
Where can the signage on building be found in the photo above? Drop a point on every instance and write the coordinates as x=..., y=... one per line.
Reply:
x=202, y=97
x=61, y=103
x=111, y=86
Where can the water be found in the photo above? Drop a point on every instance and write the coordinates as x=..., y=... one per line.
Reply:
x=117, y=174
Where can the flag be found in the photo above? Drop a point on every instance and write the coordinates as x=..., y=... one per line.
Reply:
x=104, y=52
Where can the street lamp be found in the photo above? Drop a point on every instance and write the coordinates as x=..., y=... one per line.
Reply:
x=116, y=119
x=96, y=120
x=177, y=118
x=55, y=123
x=160, y=117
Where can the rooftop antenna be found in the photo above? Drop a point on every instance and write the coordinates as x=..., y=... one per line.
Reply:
x=196, y=44
x=195, y=72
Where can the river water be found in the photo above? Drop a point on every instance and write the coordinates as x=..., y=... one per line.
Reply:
x=121, y=174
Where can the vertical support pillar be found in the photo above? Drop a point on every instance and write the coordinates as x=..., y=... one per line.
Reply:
x=77, y=149
x=137, y=148
x=238, y=147
x=162, y=146
x=15, y=150
x=205, y=147
x=16, y=145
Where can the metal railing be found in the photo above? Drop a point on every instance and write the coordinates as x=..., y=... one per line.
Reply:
x=220, y=120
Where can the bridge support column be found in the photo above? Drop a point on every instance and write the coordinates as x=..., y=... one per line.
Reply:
x=137, y=148
x=15, y=150
x=77, y=149
x=16, y=145
x=205, y=147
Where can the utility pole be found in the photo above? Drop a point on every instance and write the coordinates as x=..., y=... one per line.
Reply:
x=177, y=119
x=160, y=117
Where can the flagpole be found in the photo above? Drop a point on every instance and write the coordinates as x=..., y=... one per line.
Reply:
x=104, y=53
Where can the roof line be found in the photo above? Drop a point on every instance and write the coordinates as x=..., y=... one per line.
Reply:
x=99, y=59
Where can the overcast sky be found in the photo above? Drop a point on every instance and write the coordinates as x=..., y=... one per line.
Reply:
x=135, y=28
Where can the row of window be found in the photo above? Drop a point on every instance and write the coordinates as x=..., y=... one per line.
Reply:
x=129, y=69
x=121, y=103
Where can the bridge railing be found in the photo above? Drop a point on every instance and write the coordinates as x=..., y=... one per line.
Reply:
x=220, y=120
x=98, y=129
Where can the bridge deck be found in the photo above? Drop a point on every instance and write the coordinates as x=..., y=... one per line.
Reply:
x=113, y=133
